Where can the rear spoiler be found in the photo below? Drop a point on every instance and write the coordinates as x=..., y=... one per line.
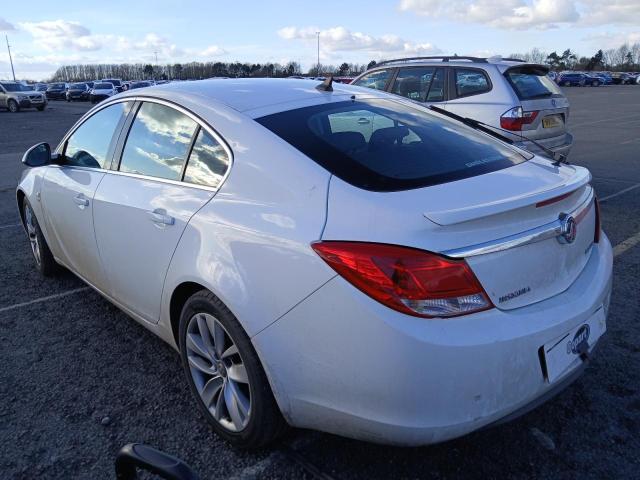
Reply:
x=537, y=68
x=581, y=177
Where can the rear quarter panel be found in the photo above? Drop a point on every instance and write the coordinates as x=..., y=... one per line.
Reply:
x=250, y=245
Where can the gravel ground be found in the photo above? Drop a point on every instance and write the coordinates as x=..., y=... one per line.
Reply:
x=79, y=379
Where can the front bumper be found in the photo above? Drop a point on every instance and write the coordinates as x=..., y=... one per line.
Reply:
x=342, y=363
x=27, y=103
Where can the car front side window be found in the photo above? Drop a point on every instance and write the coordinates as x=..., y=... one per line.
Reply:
x=377, y=80
x=90, y=144
x=158, y=143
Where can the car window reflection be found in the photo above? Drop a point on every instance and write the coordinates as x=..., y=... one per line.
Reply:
x=158, y=142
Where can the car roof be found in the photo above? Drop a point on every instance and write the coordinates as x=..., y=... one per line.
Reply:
x=261, y=96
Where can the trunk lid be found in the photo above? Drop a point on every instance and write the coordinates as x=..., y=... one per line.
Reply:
x=468, y=218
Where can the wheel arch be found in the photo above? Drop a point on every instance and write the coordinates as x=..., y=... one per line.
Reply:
x=179, y=297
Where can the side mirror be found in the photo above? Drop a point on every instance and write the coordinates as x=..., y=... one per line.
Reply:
x=38, y=155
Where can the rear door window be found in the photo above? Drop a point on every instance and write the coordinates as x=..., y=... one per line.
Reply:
x=471, y=82
x=414, y=82
x=384, y=145
x=158, y=142
x=377, y=80
x=531, y=83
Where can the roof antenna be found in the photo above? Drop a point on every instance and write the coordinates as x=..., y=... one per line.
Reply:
x=326, y=85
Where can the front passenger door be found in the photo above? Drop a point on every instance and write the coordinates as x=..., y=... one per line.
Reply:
x=68, y=190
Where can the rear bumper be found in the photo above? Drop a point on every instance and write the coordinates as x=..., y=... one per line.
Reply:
x=561, y=144
x=343, y=363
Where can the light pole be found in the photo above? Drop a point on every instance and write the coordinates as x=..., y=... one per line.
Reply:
x=10, y=59
x=318, y=68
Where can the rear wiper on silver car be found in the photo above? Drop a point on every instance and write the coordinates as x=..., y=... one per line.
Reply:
x=558, y=158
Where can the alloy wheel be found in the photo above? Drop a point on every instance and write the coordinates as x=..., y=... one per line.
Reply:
x=13, y=106
x=218, y=372
x=32, y=233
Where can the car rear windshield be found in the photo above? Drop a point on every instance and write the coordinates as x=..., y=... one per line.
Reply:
x=530, y=83
x=386, y=145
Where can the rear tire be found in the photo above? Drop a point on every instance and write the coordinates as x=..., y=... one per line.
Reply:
x=595, y=83
x=567, y=84
x=213, y=346
x=13, y=106
x=43, y=257
x=41, y=108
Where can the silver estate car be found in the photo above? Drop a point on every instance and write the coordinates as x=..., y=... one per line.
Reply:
x=508, y=94
x=14, y=96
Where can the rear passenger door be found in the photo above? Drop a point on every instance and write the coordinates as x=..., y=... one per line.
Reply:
x=421, y=84
x=169, y=167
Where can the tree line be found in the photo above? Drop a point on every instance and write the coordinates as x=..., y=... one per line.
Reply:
x=625, y=58
x=194, y=70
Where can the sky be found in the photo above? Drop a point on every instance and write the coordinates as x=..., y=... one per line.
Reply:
x=44, y=34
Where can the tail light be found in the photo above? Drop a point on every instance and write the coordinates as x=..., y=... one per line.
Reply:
x=415, y=282
x=515, y=118
x=596, y=235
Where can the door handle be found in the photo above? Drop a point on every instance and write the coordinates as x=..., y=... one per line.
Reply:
x=364, y=121
x=81, y=200
x=159, y=216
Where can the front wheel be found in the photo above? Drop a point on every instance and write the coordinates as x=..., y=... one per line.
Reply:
x=13, y=106
x=567, y=84
x=225, y=375
x=43, y=257
x=595, y=83
x=41, y=108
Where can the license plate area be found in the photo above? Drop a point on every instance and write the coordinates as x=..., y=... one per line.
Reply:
x=561, y=353
x=552, y=121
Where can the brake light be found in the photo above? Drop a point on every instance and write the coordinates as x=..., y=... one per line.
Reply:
x=596, y=235
x=515, y=118
x=412, y=281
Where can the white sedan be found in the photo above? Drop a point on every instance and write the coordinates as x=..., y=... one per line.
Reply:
x=330, y=258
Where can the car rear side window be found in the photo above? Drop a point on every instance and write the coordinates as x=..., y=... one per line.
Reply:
x=158, y=142
x=208, y=161
x=530, y=83
x=471, y=82
x=419, y=83
x=90, y=144
x=377, y=80
x=386, y=145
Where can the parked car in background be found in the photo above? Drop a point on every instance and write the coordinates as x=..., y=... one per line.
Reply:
x=622, y=78
x=41, y=87
x=552, y=75
x=14, y=96
x=78, y=91
x=605, y=76
x=572, y=79
x=140, y=84
x=101, y=91
x=344, y=260
x=593, y=80
x=503, y=93
x=57, y=91
x=116, y=82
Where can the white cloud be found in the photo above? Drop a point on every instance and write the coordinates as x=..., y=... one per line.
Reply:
x=212, y=51
x=338, y=39
x=5, y=26
x=55, y=35
x=526, y=14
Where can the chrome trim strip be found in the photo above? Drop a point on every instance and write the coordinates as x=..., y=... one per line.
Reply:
x=538, y=234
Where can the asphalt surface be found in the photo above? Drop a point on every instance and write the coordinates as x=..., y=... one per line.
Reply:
x=79, y=379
